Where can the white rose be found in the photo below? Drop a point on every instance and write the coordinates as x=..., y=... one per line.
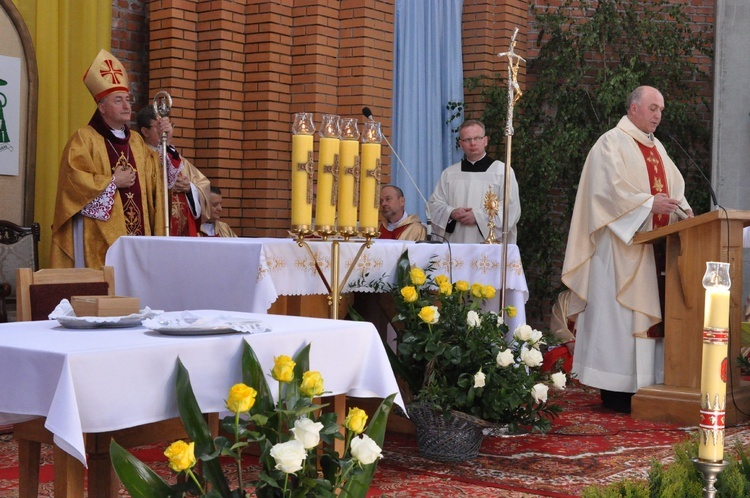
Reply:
x=531, y=357
x=479, y=379
x=523, y=332
x=535, y=338
x=289, y=456
x=500, y=320
x=307, y=432
x=539, y=393
x=365, y=450
x=558, y=379
x=505, y=358
x=472, y=319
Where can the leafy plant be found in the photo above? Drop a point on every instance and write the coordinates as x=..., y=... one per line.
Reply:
x=289, y=434
x=455, y=356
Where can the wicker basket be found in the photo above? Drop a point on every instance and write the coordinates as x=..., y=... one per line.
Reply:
x=451, y=437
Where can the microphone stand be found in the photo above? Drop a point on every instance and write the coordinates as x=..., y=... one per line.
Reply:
x=368, y=115
x=514, y=93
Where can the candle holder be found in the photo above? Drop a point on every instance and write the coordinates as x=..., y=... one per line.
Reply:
x=303, y=168
x=328, y=176
x=370, y=175
x=710, y=471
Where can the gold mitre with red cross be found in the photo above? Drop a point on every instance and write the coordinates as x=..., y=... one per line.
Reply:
x=106, y=75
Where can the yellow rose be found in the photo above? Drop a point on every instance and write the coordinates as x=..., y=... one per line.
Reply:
x=409, y=294
x=429, y=314
x=511, y=310
x=241, y=398
x=476, y=290
x=488, y=292
x=356, y=420
x=417, y=276
x=442, y=279
x=462, y=286
x=312, y=384
x=181, y=455
x=283, y=368
x=446, y=288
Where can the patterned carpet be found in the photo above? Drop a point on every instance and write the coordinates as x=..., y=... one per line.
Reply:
x=587, y=445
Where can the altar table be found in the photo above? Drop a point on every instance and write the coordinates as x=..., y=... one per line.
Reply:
x=244, y=274
x=100, y=380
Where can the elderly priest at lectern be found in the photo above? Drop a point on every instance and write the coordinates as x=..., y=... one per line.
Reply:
x=628, y=184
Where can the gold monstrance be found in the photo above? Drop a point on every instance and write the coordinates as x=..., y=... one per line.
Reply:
x=491, y=205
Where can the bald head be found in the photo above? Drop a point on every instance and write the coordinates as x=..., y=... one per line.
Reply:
x=645, y=107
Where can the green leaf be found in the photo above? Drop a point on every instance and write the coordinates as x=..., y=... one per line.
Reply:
x=358, y=484
x=197, y=429
x=136, y=476
x=253, y=376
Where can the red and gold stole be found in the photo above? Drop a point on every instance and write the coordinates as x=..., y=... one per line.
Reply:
x=657, y=179
x=181, y=223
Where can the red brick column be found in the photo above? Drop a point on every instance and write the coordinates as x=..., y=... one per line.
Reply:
x=239, y=70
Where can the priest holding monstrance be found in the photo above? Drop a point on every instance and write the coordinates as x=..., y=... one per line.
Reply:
x=628, y=184
x=110, y=182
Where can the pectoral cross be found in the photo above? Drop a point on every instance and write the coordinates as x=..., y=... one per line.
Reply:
x=308, y=167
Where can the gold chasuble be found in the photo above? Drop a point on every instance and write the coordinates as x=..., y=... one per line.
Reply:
x=84, y=182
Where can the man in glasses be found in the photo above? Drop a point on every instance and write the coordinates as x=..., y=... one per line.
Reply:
x=456, y=204
x=110, y=183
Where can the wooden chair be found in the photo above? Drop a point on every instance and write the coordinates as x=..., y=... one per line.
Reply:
x=18, y=249
x=38, y=294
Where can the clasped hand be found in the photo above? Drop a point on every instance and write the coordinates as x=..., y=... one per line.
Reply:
x=124, y=177
x=666, y=205
x=465, y=216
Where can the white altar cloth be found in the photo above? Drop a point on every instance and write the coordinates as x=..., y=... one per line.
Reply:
x=98, y=380
x=243, y=274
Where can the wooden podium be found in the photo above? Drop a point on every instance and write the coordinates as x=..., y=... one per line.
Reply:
x=690, y=244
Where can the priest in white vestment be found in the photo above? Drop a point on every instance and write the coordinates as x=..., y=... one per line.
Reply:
x=456, y=204
x=628, y=184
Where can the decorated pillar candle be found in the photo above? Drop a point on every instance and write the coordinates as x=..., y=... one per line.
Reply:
x=369, y=181
x=302, y=170
x=348, y=177
x=328, y=165
x=715, y=364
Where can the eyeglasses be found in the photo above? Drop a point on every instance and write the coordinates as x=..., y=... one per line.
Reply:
x=470, y=140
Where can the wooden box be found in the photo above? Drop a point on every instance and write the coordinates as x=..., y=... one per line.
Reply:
x=105, y=305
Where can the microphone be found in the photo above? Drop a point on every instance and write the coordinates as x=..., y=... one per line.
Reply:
x=366, y=112
x=695, y=165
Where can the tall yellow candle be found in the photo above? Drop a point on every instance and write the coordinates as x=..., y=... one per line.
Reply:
x=302, y=170
x=328, y=164
x=715, y=363
x=302, y=146
x=348, y=175
x=369, y=184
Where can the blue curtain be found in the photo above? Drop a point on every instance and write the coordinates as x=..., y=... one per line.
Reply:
x=428, y=73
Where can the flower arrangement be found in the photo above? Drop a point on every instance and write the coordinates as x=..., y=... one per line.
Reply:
x=295, y=440
x=455, y=356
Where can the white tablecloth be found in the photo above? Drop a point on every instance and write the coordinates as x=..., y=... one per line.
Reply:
x=98, y=380
x=243, y=274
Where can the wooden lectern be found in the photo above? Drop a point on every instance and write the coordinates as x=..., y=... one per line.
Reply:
x=690, y=244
